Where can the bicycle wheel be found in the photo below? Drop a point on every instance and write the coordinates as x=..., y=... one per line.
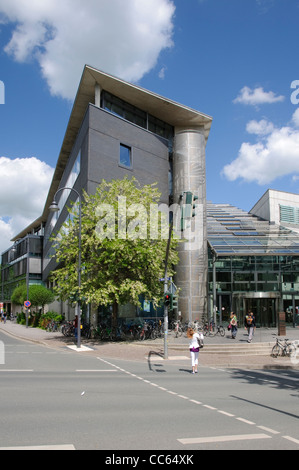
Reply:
x=221, y=331
x=142, y=335
x=63, y=330
x=275, y=350
x=291, y=350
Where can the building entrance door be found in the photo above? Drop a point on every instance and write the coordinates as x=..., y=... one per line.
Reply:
x=264, y=306
x=264, y=311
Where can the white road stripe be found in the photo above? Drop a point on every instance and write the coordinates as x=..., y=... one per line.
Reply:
x=206, y=440
x=225, y=413
x=245, y=421
x=96, y=370
x=272, y=431
x=291, y=439
x=50, y=447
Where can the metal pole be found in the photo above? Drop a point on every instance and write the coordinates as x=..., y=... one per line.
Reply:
x=54, y=207
x=214, y=290
x=165, y=290
x=27, y=280
x=79, y=278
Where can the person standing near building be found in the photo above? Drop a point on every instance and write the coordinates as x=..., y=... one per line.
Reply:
x=250, y=325
x=234, y=325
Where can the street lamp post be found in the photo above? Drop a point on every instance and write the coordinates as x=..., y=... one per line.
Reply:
x=54, y=208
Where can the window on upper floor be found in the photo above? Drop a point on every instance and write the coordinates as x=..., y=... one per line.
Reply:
x=125, y=156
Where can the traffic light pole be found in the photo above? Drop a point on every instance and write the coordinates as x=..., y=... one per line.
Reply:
x=165, y=291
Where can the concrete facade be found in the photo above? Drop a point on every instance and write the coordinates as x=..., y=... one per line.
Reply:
x=189, y=174
x=274, y=206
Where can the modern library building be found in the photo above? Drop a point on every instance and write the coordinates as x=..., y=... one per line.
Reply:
x=234, y=260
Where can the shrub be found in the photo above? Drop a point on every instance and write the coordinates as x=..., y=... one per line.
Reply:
x=46, y=318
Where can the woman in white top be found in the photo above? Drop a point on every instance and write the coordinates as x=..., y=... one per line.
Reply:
x=194, y=348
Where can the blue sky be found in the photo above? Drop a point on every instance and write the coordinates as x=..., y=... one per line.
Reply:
x=234, y=60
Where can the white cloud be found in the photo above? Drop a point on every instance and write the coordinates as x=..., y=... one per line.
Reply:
x=271, y=157
x=262, y=127
x=120, y=37
x=24, y=186
x=256, y=97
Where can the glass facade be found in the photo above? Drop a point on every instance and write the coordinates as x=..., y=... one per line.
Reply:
x=253, y=264
x=26, y=252
x=135, y=115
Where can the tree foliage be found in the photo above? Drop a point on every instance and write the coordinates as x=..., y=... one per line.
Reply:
x=39, y=295
x=120, y=259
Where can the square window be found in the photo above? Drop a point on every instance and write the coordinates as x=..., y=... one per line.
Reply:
x=125, y=156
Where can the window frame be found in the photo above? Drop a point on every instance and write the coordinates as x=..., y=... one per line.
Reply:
x=130, y=153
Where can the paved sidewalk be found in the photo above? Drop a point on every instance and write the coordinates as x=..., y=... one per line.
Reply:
x=177, y=347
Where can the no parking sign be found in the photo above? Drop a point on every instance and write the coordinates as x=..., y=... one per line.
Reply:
x=27, y=304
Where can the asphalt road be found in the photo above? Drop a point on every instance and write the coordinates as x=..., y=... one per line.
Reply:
x=65, y=399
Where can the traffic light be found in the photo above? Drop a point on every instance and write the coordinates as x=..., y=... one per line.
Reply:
x=190, y=203
x=174, y=302
x=167, y=299
x=171, y=300
x=188, y=209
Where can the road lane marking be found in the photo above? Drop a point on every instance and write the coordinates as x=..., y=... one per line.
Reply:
x=213, y=439
x=226, y=413
x=291, y=439
x=209, y=407
x=272, y=431
x=96, y=370
x=245, y=421
x=46, y=447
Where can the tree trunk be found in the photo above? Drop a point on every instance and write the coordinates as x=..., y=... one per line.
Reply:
x=114, y=316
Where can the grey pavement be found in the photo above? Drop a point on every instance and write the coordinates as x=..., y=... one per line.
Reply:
x=228, y=352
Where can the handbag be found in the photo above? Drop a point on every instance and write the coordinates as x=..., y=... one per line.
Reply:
x=200, y=341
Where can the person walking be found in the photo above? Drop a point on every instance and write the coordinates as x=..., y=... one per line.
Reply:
x=250, y=325
x=193, y=348
x=233, y=325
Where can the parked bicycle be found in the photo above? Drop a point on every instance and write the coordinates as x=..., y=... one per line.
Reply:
x=52, y=326
x=68, y=329
x=283, y=348
x=177, y=329
x=212, y=330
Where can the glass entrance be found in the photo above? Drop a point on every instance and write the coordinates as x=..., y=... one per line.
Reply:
x=264, y=311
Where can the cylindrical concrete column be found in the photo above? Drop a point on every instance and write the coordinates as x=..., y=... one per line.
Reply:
x=189, y=174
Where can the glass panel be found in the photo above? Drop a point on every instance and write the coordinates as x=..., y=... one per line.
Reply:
x=125, y=156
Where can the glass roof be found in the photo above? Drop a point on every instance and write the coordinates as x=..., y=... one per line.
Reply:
x=232, y=231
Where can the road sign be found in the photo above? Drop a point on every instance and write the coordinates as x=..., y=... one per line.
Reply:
x=27, y=303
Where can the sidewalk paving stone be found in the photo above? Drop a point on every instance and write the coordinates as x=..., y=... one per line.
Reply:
x=177, y=347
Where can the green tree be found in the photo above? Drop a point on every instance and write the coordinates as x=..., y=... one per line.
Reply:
x=122, y=257
x=19, y=295
x=40, y=296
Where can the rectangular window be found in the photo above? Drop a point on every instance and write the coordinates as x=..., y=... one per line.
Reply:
x=125, y=156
